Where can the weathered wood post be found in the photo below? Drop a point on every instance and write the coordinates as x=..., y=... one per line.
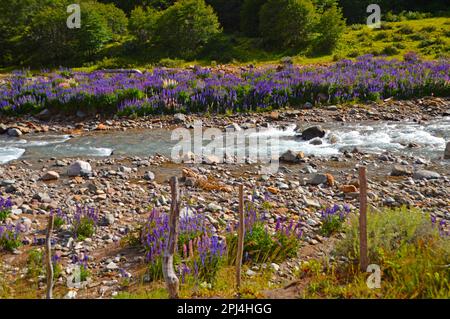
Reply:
x=170, y=276
x=241, y=231
x=48, y=256
x=364, y=260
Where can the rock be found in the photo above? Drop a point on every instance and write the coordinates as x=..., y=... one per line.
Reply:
x=424, y=174
x=149, y=176
x=311, y=222
x=273, y=190
x=318, y=179
x=42, y=197
x=233, y=127
x=398, y=170
x=44, y=115
x=307, y=106
x=348, y=189
x=7, y=182
x=112, y=266
x=211, y=160
x=72, y=294
x=190, y=181
x=80, y=168
x=291, y=156
x=316, y=141
x=250, y=273
x=214, y=207
x=107, y=220
x=80, y=114
x=313, y=132
x=14, y=132
x=275, y=267
x=447, y=151
x=125, y=169
x=179, y=118
x=311, y=202
x=333, y=138
x=3, y=128
x=50, y=176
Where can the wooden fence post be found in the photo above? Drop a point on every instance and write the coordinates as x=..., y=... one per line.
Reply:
x=363, y=258
x=48, y=256
x=241, y=233
x=170, y=276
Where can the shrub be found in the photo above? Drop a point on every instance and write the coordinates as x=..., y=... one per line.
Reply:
x=287, y=24
x=331, y=26
x=10, y=237
x=143, y=22
x=84, y=222
x=5, y=208
x=184, y=28
x=35, y=263
x=333, y=219
x=411, y=250
x=390, y=50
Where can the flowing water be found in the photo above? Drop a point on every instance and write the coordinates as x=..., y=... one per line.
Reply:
x=375, y=137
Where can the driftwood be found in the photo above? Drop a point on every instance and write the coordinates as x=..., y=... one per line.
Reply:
x=204, y=183
x=170, y=277
x=241, y=230
x=364, y=259
x=48, y=257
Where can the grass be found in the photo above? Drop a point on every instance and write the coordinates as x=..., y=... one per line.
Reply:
x=251, y=287
x=413, y=257
x=429, y=37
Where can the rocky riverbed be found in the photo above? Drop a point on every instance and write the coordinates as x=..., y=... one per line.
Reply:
x=124, y=188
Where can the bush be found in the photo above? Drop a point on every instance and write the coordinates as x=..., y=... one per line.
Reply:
x=287, y=24
x=84, y=222
x=184, y=28
x=10, y=237
x=5, y=208
x=54, y=43
x=331, y=26
x=333, y=219
x=142, y=23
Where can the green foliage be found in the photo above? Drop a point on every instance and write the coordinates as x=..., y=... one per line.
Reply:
x=9, y=241
x=412, y=256
x=330, y=27
x=4, y=214
x=143, y=23
x=58, y=222
x=84, y=228
x=35, y=263
x=287, y=24
x=331, y=225
x=184, y=28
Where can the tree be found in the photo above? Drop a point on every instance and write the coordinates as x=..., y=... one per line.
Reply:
x=53, y=43
x=330, y=27
x=184, y=28
x=250, y=17
x=143, y=23
x=287, y=23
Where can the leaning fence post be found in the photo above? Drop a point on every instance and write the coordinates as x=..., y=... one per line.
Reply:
x=48, y=256
x=241, y=230
x=170, y=277
x=364, y=262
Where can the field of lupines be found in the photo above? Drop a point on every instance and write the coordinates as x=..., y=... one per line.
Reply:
x=204, y=90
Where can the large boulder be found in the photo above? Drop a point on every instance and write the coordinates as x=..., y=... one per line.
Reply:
x=291, y=156
x=447, y=151
x=398, y=170
x=50, y=176
x=80, y=168
x=179, y=118
x=313, y=132
x=14, y=132
x=424, y=174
